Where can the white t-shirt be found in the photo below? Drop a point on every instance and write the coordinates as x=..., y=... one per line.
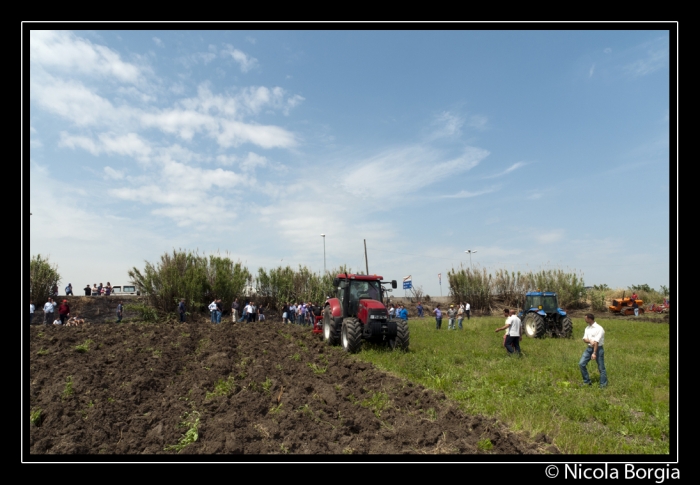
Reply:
x=466, y=307
x=514, y=329
x=31, y=308
x=249, y=309
x=57, y=322
x=212, y=306
x=48, y=307
x=595, y=333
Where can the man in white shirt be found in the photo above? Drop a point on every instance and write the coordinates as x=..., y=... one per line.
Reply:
x=467, y=309
x=512, y=342
x=31, y=311
x=48, y=312
x=593, y=335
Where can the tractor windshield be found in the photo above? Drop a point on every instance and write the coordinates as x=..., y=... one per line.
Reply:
x=550, y=304
x=368, y=290
x=533, y=302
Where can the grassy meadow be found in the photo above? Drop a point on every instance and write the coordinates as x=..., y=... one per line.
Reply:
x=540, y=391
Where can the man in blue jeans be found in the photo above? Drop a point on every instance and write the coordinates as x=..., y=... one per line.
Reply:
x=593, y=336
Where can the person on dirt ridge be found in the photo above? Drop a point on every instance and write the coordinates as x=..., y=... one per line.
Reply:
x=251, y=312
x=181, y=309
x=54, y=291
x=99, y=289
x=451, y=317
x=108, y=289
x=31, y=311
x=234, y=310
x=593, y=335
x=219, y=310
x=69, y=290
x=63, y=311
x=120, y=311
x=513, y=333
x=212, y=311
x=261, y=314
x=48, y=311
x=244, y=313
x=438, y=316
x=93, y=290
x=87, y=290
x=419, y=309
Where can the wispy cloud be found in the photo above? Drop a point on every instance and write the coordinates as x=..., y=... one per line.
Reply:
x=399, y=171
x=464, y=194
x=158, y=42
x=655, y=58
x=591, y=71
x=478, y=122
x=510, y=169
x=245, y=61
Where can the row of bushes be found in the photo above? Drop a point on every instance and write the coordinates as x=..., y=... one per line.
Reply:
x=481, y=288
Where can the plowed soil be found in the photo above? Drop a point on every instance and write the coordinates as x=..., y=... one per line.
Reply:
x=260, y=388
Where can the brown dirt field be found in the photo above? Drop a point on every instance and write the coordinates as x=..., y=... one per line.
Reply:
x=130, y=392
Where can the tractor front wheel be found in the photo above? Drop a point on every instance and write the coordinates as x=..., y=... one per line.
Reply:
x=330, y=329
x=534, y=325
x=351, y=335
x=400, y=342
x=567, y=327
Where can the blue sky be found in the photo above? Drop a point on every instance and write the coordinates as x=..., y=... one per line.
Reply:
x=536, y=149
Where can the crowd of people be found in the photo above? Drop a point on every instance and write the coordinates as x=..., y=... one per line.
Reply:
x=96, y=290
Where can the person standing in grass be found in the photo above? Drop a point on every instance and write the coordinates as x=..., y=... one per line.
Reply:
x=593, y=335
x=512, y=342
x=120, y=311
x=460, y=315
x=467, y=309
x=451, y=317
x=438, y=316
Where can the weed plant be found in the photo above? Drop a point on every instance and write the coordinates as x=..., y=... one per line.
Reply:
x=84, y=347
x=191, y=422
x=68, y=388
x=35, y=417
x=539, y=392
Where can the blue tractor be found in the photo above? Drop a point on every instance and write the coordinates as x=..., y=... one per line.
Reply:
x=541, y=315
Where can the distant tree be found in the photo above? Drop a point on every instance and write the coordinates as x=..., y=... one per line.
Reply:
x=42, y=277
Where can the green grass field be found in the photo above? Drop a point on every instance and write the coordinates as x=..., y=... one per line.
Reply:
x=539, y=392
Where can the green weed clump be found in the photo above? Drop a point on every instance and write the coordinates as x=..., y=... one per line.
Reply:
x=316, y=368
x=145, y=313
x=35, y=417
x=67, y=388
x=221, y=388
x=377, y=402
x=191, y=422
x=84, y=347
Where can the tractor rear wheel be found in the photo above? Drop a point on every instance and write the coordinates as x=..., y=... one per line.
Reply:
x=351, y=335
x=567, y=327
x=400, y=342
x=330, y=329
x=534, y=325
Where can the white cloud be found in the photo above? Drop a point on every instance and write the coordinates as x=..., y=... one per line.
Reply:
x=590, y=71
x=250, y=40
x=158, y=42
x=65, y=51
x=113, y=174
x=535, y=196
x=245, y=62
x=550, y=236
x=447, y=124
x=131, y=144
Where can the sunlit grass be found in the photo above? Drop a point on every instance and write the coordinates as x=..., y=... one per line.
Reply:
x=540, y=392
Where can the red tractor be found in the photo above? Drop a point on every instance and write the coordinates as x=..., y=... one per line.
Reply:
x=357, y=313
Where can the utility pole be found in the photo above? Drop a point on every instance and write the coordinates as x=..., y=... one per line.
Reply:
x=366, y=265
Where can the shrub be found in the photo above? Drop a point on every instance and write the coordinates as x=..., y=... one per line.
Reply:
x=42, y=277
x=145, y=313
x=197, y=279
